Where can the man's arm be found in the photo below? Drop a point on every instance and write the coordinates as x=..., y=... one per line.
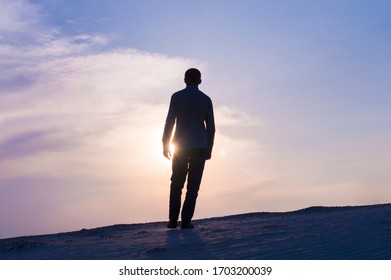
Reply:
x=170, y=121
x=210, y=130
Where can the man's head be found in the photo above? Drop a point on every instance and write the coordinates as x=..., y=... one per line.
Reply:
x=193, y=77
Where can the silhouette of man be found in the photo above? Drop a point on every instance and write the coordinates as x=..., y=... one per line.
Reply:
x=191, y=111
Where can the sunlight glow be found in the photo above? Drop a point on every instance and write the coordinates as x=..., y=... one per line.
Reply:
x=172, y=149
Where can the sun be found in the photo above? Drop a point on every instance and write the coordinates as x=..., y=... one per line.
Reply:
x=172, y=149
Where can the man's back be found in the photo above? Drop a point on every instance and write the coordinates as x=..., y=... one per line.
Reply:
x=192, y=111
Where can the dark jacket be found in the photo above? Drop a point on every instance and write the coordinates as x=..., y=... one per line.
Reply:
x=191, y=111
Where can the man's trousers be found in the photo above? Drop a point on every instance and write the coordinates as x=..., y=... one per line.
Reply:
x=185, y=163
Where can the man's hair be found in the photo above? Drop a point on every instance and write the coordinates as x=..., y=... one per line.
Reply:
x=192, y=75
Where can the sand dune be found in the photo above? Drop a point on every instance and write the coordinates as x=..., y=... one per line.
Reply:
x=315, y=233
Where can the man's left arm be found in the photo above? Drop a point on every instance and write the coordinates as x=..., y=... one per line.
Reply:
x=210, y=130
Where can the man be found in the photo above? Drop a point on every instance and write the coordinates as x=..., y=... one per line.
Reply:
x=191, y=111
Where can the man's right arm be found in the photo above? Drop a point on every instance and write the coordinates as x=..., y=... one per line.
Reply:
x=168, y=127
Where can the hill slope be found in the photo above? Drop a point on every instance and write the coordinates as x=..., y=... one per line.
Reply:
x=361, y=232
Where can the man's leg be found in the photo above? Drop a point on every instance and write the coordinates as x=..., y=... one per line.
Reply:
x=196, y=168
x=178, y=178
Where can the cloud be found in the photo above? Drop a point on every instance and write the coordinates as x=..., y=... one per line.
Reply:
x=233, y=117
x=28, y=143
x=80, y=96
x=19, y=16
x=25, y=39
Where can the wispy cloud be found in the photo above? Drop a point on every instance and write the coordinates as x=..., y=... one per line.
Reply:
x=25, y=38
x=233, y=117
x=19, y=17
x=28, y=143
x=84, y=95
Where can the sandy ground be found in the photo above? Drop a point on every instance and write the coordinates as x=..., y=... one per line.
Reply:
x=316, y=233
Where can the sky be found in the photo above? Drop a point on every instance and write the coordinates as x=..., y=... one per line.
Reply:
x=300, y=89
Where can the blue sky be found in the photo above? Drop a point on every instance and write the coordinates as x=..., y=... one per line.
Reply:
x=300, y=89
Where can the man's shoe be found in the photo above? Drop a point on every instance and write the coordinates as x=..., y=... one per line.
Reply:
x=172, y=224
x=187, y=225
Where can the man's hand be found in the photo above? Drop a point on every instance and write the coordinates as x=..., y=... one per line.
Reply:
x=167, y=153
